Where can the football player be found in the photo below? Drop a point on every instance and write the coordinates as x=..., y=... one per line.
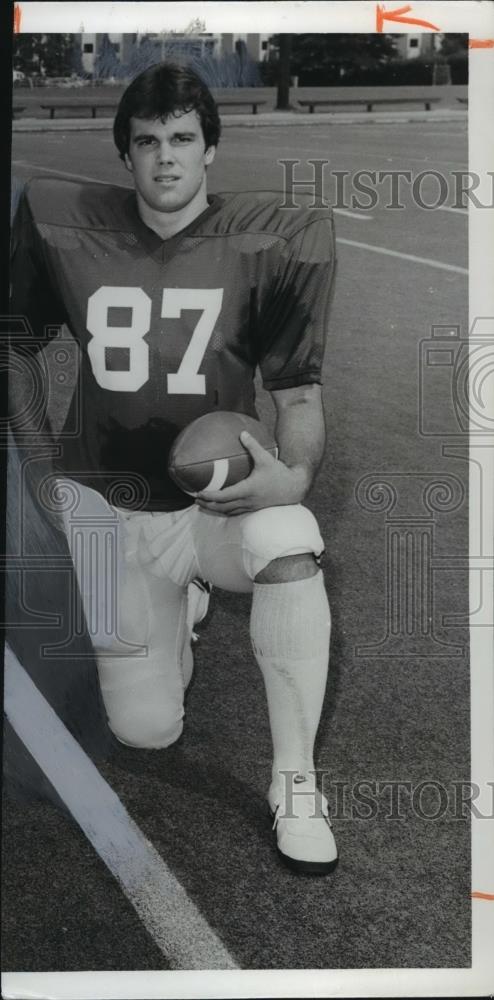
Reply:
x=175, y=298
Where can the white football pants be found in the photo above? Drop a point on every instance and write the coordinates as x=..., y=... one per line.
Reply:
x=135, y=571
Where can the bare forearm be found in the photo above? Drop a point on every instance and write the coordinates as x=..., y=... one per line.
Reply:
x=277, y=481
x=300, y=431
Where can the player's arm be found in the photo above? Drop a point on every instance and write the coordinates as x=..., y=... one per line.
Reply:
x=292, y=326
x=34, y=302
x=34, y=307
x=275, y=482
x=300, y=431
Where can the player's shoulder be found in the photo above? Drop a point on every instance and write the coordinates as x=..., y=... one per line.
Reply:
x=262, y=222
x=70, y=203
x=269, y=212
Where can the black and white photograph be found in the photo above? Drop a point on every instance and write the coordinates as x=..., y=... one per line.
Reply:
x=249, y=455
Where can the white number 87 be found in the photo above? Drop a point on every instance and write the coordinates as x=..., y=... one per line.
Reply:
x=187, y=379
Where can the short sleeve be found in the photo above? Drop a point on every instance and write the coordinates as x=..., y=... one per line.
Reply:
x=294, y=303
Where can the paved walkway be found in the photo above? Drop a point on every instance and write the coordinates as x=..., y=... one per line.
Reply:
x=269, y=118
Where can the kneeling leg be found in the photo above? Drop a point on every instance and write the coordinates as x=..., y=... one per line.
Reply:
x=144, y=672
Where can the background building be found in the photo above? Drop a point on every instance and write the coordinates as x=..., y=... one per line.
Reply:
x=90, y=45
x=410, y=46
x=215, y=45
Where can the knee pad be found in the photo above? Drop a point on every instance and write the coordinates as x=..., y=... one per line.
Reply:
x=275, y=532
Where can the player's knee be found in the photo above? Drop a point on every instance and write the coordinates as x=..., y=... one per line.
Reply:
x=288, y=568
x=286, y=538
x=143, y=702
x=150, y=727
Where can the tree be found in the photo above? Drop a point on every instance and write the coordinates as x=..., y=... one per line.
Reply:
x=48, y=55
x=145, y=52
x=57, y=55
x=328, y=59
x=454, y=44
x=107, y=63
x=283, y=97
x=26, y=54
x=454, y=53
x=76, y=63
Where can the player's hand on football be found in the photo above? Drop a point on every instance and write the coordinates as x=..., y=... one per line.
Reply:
x=271, y=483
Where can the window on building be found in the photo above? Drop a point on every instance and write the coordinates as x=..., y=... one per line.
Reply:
x=264, y=46
x=413, y=43
x=88, y=47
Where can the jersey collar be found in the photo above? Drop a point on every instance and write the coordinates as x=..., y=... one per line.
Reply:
x=154, y=243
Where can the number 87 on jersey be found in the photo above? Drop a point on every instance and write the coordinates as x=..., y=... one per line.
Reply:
x=128, y=340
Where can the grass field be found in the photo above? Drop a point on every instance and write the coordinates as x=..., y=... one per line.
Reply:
x=400, y=896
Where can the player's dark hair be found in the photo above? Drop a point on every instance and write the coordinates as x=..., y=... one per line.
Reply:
x=161, y=91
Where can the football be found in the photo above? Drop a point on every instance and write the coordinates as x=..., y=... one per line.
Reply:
x=208, y=453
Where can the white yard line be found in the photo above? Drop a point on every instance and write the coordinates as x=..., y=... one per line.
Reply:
x=450, y=208
x=162, y=904
x=428, y=163
x=403, y=256
x=353, y=215
x=453, y=135
x=59, y=173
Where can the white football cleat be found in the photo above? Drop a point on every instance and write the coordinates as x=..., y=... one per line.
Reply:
x=305, y=840
x=198, y=595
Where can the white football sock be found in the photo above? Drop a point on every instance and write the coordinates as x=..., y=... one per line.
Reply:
x=290, y=630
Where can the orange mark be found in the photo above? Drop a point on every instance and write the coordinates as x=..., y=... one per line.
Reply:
x=17, y=18
x=481, y=43
x=482, y=895
x=396, y=15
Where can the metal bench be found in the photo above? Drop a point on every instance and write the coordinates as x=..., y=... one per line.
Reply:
x=53, y=106
x=234, y=102
x=368, y=101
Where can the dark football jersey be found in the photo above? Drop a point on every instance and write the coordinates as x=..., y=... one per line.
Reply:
x=168, y=329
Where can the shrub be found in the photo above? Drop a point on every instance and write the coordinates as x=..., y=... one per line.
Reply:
x=458, y=65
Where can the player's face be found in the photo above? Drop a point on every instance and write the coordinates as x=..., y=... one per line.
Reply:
x=168, y=160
